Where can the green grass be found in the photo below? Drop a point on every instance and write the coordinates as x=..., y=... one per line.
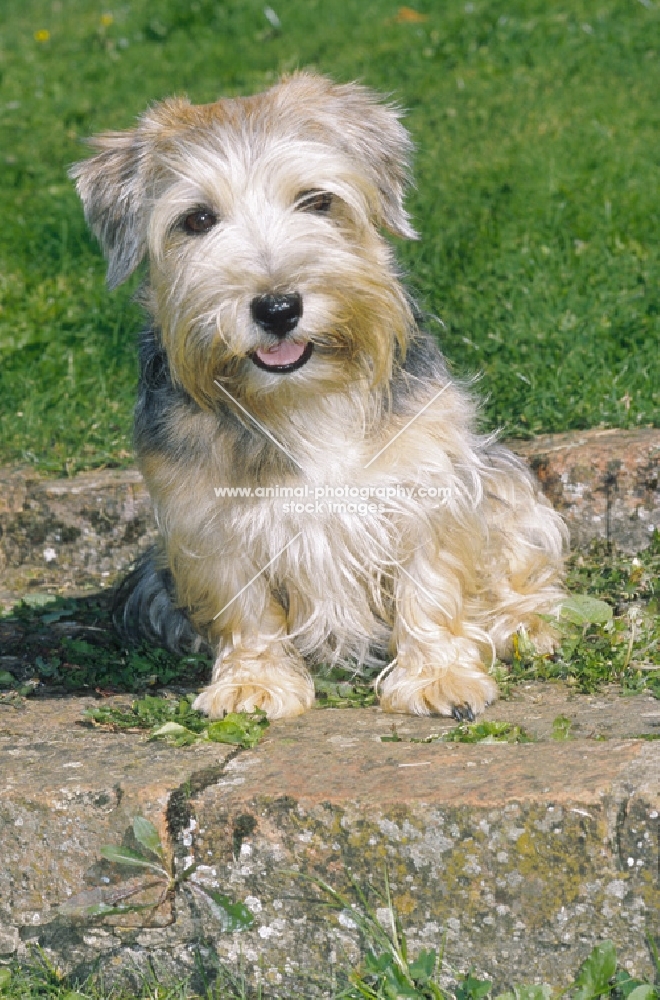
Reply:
x=623, y=650
x=387, y=972
x=537, y=172
x=177, y=722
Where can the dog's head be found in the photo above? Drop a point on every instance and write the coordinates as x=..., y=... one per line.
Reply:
x=260, y=219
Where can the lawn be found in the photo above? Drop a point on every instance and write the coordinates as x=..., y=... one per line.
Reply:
x=537, y=167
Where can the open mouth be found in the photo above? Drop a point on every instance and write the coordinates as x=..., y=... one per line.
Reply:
x=285, y=356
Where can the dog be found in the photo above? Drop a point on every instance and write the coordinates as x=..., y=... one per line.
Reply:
x=285, y=362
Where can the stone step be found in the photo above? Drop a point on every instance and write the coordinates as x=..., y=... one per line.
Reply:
x=524, y=856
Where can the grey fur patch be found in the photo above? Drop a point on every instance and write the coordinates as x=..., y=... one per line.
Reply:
x=423, y=368
x=144, y=609
x=111, y=190
x=157, y=399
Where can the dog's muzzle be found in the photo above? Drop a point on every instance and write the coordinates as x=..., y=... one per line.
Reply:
x=278, y=315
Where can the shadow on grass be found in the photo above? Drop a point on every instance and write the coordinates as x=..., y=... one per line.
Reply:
x=62, y=645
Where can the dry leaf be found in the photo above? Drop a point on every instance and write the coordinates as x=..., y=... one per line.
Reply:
x=406, y=15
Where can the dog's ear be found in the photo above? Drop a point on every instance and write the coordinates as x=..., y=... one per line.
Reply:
x=111, y=188
x=370, y=131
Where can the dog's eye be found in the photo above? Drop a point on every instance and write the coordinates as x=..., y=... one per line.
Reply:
x=199, y=221
x=314, y=201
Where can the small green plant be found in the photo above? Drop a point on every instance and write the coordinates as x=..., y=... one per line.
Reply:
x=175, y=720
x=159, y=871
x=471, y=732
x=485, y=732
x=387, y=970
x=612, y=641
x=37, y=979
x=561, y=728
x=471, y=988
x=598, y=977
x=342, y=688
x=583, y=610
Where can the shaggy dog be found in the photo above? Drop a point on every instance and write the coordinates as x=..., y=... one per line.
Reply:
x=320, y=487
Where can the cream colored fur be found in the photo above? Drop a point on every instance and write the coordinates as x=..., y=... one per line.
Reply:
x=442, y=585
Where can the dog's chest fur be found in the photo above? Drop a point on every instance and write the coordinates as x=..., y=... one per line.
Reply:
x=333, y=552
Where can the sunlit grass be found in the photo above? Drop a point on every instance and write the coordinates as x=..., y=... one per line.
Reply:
x=537, y=193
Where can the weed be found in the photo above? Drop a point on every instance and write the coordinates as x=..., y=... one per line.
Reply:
x=561, y=728
x=484, y=732
x=609, y=628
x=389, y=972
x=471, y=732
x=342, y=688
x=159, y=873
x=174, y=720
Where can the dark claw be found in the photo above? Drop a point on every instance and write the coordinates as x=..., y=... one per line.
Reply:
x=462, y=713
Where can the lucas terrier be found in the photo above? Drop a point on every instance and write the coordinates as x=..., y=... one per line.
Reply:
x=284, y=359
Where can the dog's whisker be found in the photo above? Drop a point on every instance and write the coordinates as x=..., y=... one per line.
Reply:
x=257, y=423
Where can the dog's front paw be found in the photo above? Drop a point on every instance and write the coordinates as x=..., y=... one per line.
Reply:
x=246, y=683
x=462, y=694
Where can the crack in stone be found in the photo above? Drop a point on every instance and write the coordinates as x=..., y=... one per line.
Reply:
x=178, y=813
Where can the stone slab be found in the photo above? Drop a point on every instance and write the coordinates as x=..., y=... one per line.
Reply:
x=70, y=536
x=606, y=483
x=523, y=856
x=65, y=791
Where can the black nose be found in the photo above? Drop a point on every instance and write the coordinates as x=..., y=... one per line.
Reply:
x=277, y=314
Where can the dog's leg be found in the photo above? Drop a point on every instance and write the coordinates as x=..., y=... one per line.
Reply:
x=523, y=587
x=257, y=668
x=437, y=667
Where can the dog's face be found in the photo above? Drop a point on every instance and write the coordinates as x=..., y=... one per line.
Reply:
x=260, y=219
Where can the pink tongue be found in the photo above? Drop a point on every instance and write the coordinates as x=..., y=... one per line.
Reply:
x=284, y=353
